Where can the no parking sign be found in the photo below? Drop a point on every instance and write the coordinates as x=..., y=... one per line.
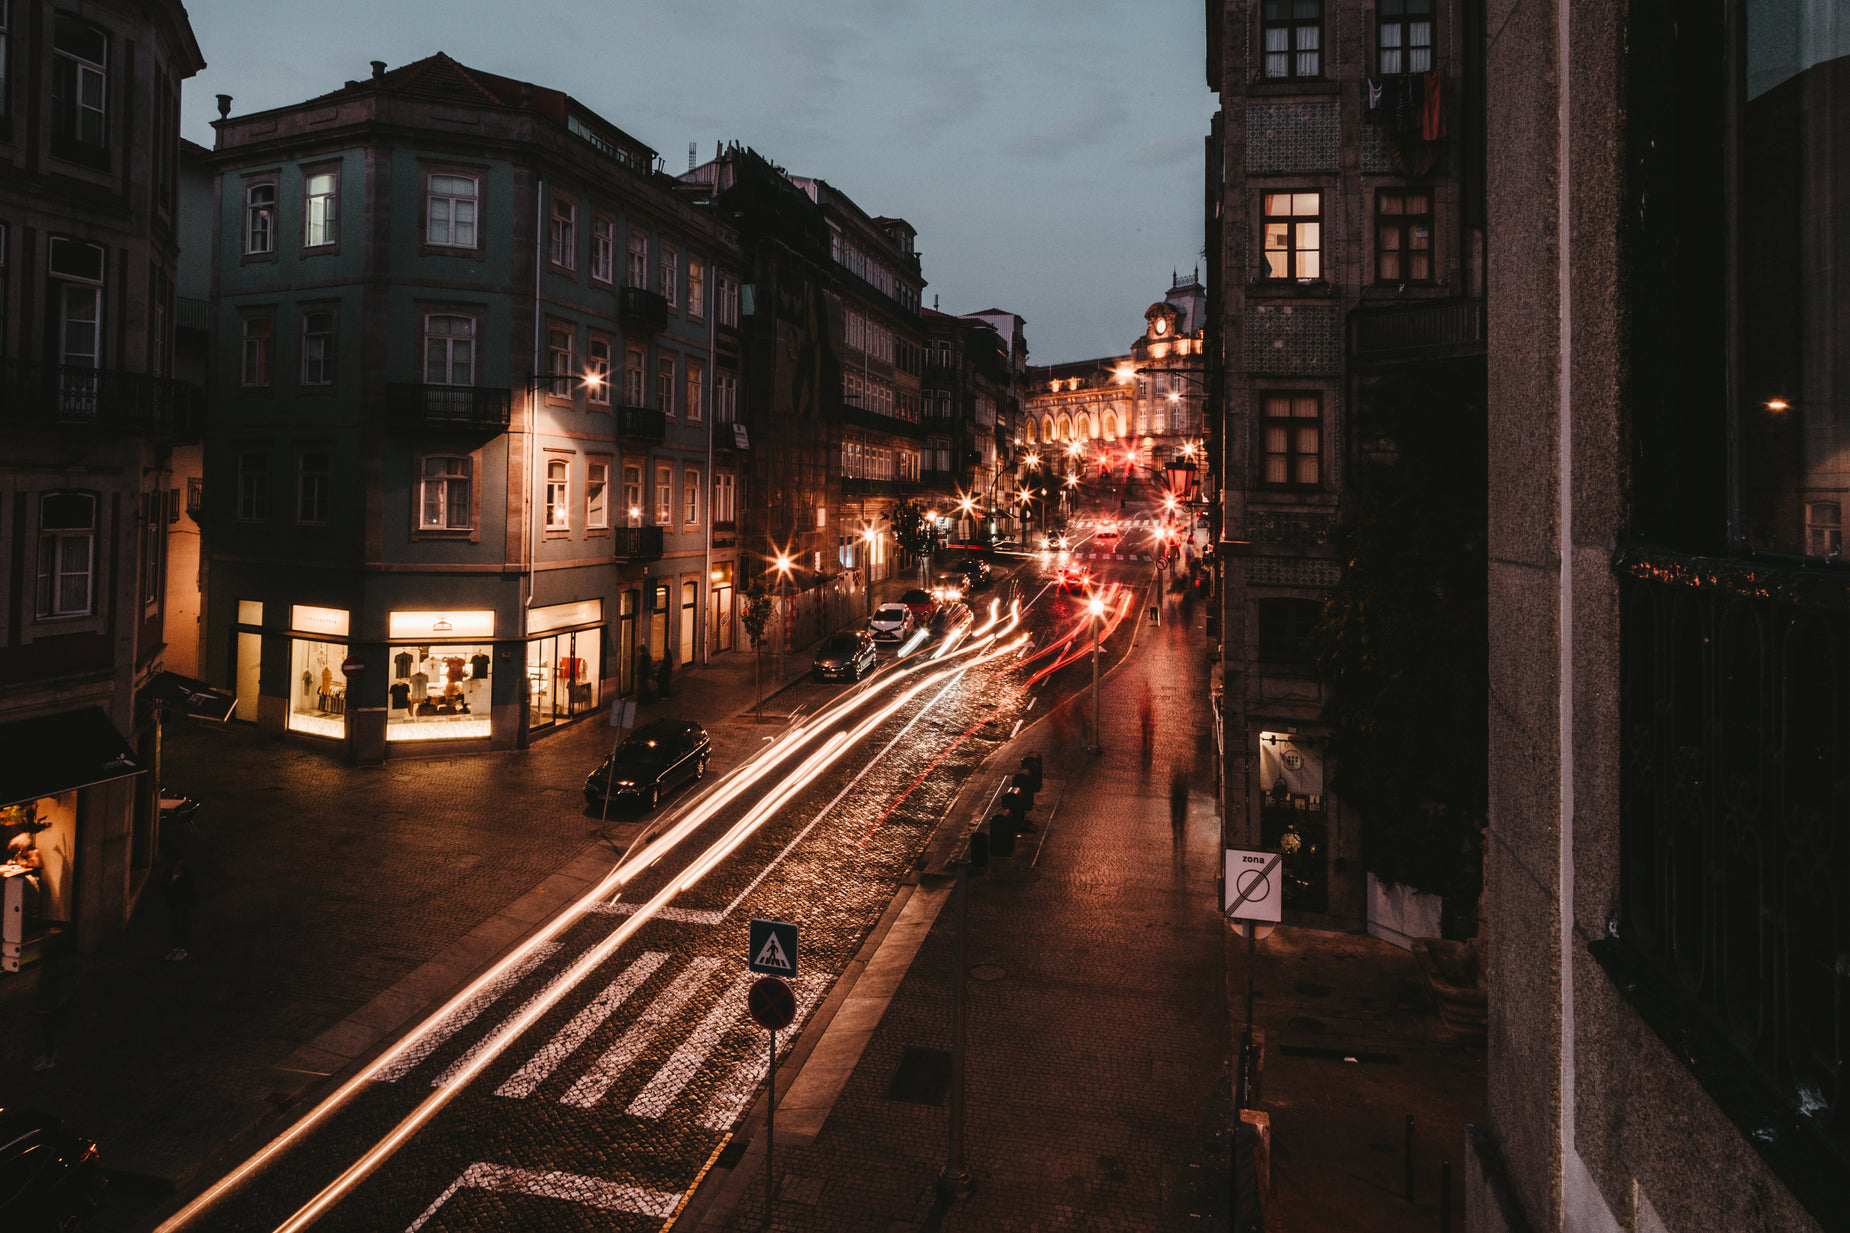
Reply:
x=1251, y=890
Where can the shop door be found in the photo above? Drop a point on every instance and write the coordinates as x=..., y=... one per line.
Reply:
x=658, y=620
x=250, y=666
x=722, y=619
x=542, y=665
x=626, y=644
x=690, y=618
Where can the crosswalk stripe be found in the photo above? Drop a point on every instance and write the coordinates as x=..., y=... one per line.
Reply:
x=660, y=1091
x=463, y=1015
x=691, y=916
x=552, y=1184
x=568, y=1038
x=592, y=1085
x=729, y=1099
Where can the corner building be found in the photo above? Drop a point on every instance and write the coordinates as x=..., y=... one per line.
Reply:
x=462, y=486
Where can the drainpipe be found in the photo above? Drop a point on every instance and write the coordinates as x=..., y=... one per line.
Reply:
x=712, y=384
x=533, y=432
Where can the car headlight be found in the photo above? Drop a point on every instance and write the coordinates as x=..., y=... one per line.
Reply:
x=626, y=783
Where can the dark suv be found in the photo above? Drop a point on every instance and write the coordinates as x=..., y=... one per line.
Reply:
x=660, y=755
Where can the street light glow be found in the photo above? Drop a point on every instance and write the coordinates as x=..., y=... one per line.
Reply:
x=1096, y=606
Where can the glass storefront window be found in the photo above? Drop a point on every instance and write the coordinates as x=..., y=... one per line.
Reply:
x=1793, y=424
x=439, y=692
x=564, y=673
x=317, y=689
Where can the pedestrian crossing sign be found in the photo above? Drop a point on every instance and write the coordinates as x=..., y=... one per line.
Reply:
x=773, y=948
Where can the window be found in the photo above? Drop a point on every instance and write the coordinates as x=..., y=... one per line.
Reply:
x=1824, y=529
x=603, y=250
x=313, y=481
x=597, y=482
x=67, y=553
x=690, y=496
x=1286, y=627
x=1403, y=33
x=257, y=331
x=449, y=350
x=664, y=493
x=597, y=372
x=1293, y=236
x=725, y=397
x=1403, y=237
x=559, y=361
x=632, y=494
x=317, y=348
x=1293, y=433
x=6, y=22
x=564, y=248
x=253, y=486
x=671, y=276
x=632, y=376
x=260, y=219
x=696, y=378
x=664, y=384
x=80, y=325
x=728, y=301
x=320, y=214
x=722, y=500
x=558, y=495
x=636, y=271
x=452, y=211
x=152, y=530
x=79, y=89
x=696, y=288
x=1293, y=33
x=446, y=493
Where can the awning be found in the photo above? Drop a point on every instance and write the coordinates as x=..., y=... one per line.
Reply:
x=57, y=753
x=185, y=696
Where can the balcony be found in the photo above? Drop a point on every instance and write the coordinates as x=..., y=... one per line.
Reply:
x=1417, y=330
x=856, y=486
x=34, y=392
x=637, y=543
x=642, y=425
x=873, y=421
x=640, y=309
x=468, y=406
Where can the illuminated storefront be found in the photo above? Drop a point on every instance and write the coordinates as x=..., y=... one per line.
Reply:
x=565, y=661
x=439, y=667
x=317, y=685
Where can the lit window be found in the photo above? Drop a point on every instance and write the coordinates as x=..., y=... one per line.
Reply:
x=597, y=376
x=696, y=287
x=690, y=496
x=558, y=495
x=696, y=379
x=1293, y=236
x=632, y=495
x=446, y=493
x=452, y=211
x=320, y=214
x=664, y=494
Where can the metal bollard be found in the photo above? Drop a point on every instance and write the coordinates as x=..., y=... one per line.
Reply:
x=1445, y=1196
x=979, y=852
x=1002, y=835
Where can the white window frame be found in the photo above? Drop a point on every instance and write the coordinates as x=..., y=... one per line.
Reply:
x=560, y=358
x=56, y=567
x=664, y=494
x=449, y=341
x=598, y=394
x=603, y=249
x=259, y=219
x=75, y=298
x=636, y=259
x=725, y=397
x=690, y=495
x=671, y=276
x=452, y=199
x=728, y=309
x=314, y=489
x=257, y=364
x=665, y=383
x=723, y=498
x=563, y=234
x=597, y=494
x=633, y=509
x=439, y=489
x=558, y=494
x=90, y=91
x=696, y=288
x=321, y=209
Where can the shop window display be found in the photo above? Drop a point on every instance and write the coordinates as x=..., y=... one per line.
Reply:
x=563, y=675
x=317, y=688
x=36, y=875
x=439, y=693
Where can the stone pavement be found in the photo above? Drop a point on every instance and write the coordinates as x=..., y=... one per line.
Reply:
x=1104, y=997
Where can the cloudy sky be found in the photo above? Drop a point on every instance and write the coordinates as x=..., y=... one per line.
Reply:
x=1048, y=151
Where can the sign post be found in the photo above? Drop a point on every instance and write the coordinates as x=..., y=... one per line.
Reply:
x=1254, y=896
x=772, y=1006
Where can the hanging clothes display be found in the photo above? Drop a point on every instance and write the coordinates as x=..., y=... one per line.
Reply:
x=1432, y=110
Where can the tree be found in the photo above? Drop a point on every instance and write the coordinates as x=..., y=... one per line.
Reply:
x=756, y=617
x=1403, y=645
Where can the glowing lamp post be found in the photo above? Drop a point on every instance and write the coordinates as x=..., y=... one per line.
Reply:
x=871, y=536
x=1096, y=606
x=782, y=564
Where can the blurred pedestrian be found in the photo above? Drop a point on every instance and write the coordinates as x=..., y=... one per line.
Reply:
x=664, y=682
x=1178, y=803
x=180, y=894
x=1146, y=719
x=645, y=675
x=51, y=998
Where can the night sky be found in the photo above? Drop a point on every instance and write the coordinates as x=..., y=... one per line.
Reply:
x=1048, y=151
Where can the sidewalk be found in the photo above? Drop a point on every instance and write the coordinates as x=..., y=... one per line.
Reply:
x=1104, y=999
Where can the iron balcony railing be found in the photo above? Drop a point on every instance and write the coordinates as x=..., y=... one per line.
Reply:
x=642, y=309
x=1417, y=330
x=36, y=392
x=860, y=417
x=641, y=424
x=479, y=406
x=637, y=543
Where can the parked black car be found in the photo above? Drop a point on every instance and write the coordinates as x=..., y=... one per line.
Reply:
x=660, y=755
x=974, y=568
x=845, y=656
x=49, y=1177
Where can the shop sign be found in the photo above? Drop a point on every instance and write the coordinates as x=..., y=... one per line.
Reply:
x=564, y=616
x=440, y=626
x=307, y=620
